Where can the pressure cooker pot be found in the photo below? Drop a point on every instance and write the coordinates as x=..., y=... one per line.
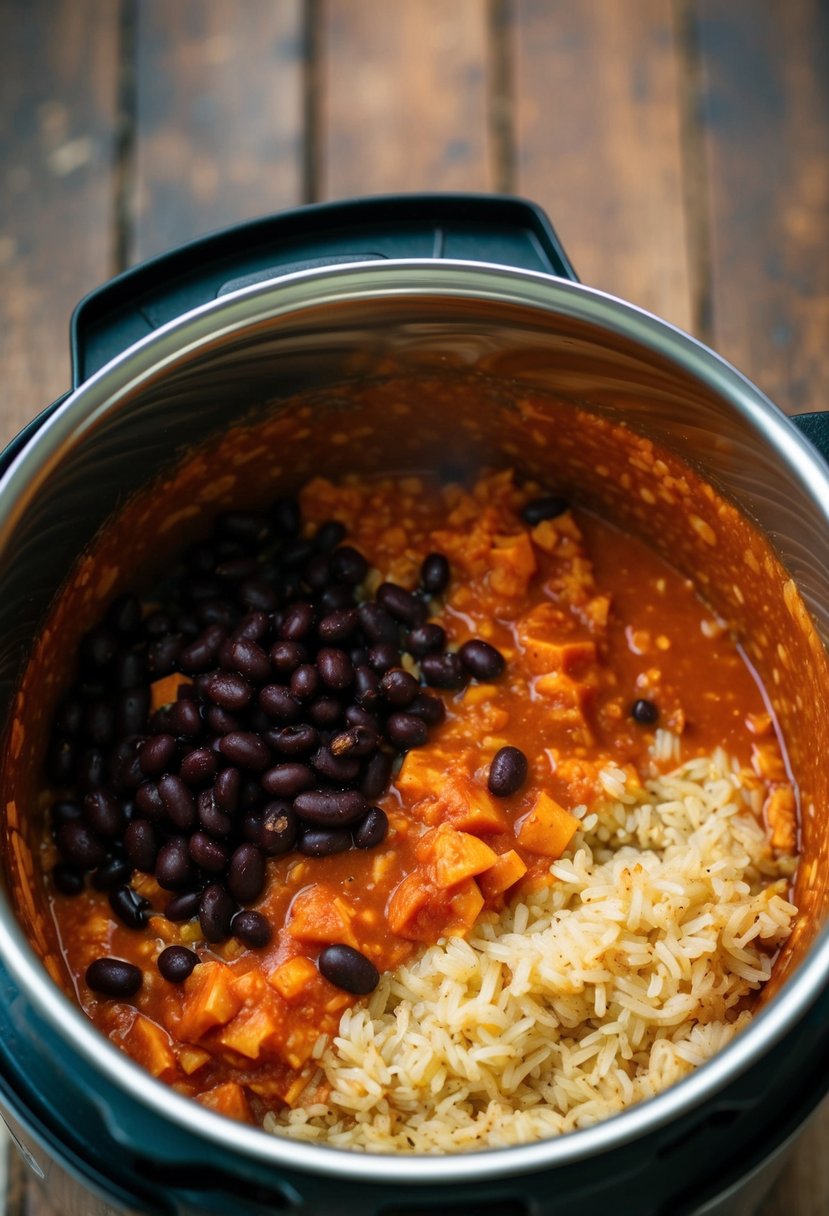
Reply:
x=434, y=333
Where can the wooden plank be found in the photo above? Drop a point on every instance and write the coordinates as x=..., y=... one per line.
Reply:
x=58, y=97
x=598, y=128
x=403, y=97
x=219, y=116
x=766, y=110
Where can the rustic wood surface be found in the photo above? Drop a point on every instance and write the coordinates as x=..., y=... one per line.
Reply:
x=681, y=148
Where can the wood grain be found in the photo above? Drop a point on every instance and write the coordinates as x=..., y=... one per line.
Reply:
x=403, y=101
x=218, y=116
x=598, y=120
x=765, y=108
x=58, y=141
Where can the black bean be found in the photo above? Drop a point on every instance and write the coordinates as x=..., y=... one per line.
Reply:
x=176, y=963
x=297, y=621
x=124, y=770
x=398, y=687
x=246, y=873
x=335, y=668
x=254, y=626
x=402, y=605
x=185, y=718
x=149, y=802
x=155, y=754
x=277, y=829
x=435, y=573
x=257, y=596
x=367, y=684
x=92, y=769
x=198, y=766
x=251, y=928
x=69, y=718
x=431, y=709
x=112, y=977
x=383, y=656
x=286, y=516
x=426, y=639
x=141, y=845
x=286, y=657
x=67, y=879
x=102, y=812
x=212, y=818
x=218, y=612
x=131, y=670
x=646, y=713
x=99, y=723
x=226, y=789
x=60, y=761
x=98, y=648
x=251, y=793
x=507, y=772
x=234, y=569
x=338, y=625
x=132, y=708
x=348, y=969
x=328, y=535
x=305, y=683
x=173, y=868
x=406, y=730
x=162, y=655
x=246, y=750
x=197, y=590
x=251, y=661
x=324, y=842
x=348, y=565
x=296, y=553
x=278, y=703
x=330, y=808
x=79, y=845
x=294, y=740
x=183, y=907
x=340, y=769
x=130, y=907
x=356, y=715
x=358, y=741
x=207, y=853
x=372, y=830
x=248, y=528
x=546, y=507
x=443, y=670
x=159, y=623
x=325, y=711
x=114, y=872
x=125, y=615
x=288, y=780
x=481, y=660
x=377, y=624
x=64, y=811
x=200, y=654
x=359, y=657
x=178, y=800
x=376, y=776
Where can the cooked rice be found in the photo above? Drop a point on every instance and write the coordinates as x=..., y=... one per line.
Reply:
x=614, y=982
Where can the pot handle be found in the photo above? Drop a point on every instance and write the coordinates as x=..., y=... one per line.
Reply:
x=479, y=228
x=815, y=428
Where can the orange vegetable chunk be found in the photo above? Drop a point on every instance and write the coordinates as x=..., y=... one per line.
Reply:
x=291, y=978
x=407, y=899
x=151, y=1046
x=320, y=914
x=454, y=855
x=228, y=1099
x=209, y=1000
x=548, y=828
x=506, y=872
x=165, y=691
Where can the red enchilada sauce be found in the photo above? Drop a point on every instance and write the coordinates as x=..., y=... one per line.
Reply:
x=608, y=657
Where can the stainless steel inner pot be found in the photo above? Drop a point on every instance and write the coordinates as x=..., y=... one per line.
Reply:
x=244, y=353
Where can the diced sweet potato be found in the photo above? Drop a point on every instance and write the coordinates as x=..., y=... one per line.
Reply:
x=468, y=807
x=548, y=828
x=249, y=986
x=291, y=978
x=151, y=1046
x=320, y=914
x=506, y=872
x=228, y=1099
x=252, y=1031
x=465, y=908
x=209, y=1000
x=512, y=565
x=780, y=810
x=192, y=1059
x=407, y=900
x=454, y=856
x=421, y=775
x=165, y=691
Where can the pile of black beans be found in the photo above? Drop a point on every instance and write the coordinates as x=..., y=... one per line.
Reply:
x=286, y=737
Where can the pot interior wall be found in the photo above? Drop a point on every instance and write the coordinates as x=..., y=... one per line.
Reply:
x=443, y=385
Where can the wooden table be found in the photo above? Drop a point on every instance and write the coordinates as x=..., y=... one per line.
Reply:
x=681, y=149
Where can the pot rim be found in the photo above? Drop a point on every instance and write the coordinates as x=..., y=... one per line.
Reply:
x=177, y=342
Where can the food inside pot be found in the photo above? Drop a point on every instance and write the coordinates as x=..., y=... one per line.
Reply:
x=409, y=815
